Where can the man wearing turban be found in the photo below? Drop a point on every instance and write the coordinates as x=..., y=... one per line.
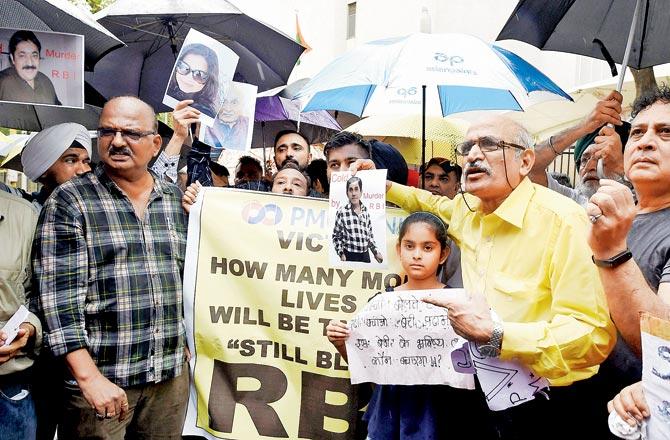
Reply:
x=52, y=157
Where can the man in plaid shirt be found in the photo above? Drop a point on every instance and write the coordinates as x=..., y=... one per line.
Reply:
x=108, y=260
x=352, y=233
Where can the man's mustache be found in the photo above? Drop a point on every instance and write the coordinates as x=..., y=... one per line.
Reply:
x=29, y=68
x=477, y=166
x=120, y=150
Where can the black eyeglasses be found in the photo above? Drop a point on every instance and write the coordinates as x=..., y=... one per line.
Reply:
x=199, y=76
x=486, y=144
x=128, y=135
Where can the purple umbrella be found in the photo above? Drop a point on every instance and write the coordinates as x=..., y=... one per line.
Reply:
x=275, y=113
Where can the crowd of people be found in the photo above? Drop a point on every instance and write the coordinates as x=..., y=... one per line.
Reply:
x=98, y=257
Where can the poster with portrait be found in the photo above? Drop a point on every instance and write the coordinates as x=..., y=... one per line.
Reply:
x=233, y=126
x=356, y=219
x=202, y=72
x=41, y=68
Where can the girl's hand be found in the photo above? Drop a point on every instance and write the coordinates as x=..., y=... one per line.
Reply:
x=337, y=332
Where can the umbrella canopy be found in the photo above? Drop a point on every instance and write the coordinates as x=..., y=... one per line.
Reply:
x=463, y=72
x=404, y=133
x=274, y=113
x=36, y=117
x=154, y=31
x=10, y=151
x=594, y=28
x=57, y=16
x=548, y=118
x=394, y=76
x=60, y=16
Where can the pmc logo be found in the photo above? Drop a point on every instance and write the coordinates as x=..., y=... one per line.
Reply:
x=255, y=213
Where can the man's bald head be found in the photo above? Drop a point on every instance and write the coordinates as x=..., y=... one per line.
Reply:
x=508, y=129
x=130, y=104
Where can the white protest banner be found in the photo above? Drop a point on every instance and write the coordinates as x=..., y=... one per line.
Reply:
x=400, y=340
x=356, y=218
x=656, y=374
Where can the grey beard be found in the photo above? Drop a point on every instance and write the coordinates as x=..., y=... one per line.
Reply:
x=586, y=191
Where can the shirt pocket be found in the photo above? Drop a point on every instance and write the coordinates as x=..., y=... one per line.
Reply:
x=517, y=296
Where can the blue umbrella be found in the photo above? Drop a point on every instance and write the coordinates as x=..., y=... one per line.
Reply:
x=435, y=74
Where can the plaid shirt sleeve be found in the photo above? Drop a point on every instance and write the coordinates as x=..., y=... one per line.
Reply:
x=368, y=227
x=338, y=231
x=60, y=264
x=165, y=167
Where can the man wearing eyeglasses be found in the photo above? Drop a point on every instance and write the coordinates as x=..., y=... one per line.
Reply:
x=524, y=256
x=108, y=261
x=230, y=126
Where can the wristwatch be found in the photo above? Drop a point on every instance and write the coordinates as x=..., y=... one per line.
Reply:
x=615, y=261
x=491, y=349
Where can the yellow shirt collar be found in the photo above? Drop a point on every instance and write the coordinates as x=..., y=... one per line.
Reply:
x=513, y=208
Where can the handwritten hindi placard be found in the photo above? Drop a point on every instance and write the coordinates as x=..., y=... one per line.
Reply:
x=398, y=339
x=655, y=333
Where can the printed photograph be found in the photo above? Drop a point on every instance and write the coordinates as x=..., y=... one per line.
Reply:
x=202, y=72
x=356, y=215
x=234, y=123
x=41, y=68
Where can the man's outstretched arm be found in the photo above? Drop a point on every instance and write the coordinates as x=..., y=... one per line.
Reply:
x=607, y=111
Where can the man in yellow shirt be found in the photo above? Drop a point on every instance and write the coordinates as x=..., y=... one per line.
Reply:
x=524, y=255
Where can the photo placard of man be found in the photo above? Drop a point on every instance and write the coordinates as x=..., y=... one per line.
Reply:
x=353, y=235
x=23, y=82
x=233, y=124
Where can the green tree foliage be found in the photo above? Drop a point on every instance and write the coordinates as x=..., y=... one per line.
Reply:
x=93, y=5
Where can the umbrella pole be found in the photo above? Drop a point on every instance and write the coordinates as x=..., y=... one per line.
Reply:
x=173, y=39
x=265, y=170
x=629, y=44
x=423, y=136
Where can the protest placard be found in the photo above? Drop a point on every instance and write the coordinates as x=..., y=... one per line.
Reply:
x=356, y=218
x=398, y=339
x=202, y=72
x=234, y=124
x=41, y=68
x=656, y=374
x=259, y=293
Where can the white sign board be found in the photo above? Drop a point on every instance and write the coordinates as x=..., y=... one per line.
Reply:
x=400, y=340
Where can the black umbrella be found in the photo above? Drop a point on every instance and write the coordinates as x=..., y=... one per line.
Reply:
x=154, y=31
x=36, y=117
x=56, y=16
x=595, y=28
x=59, y=16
